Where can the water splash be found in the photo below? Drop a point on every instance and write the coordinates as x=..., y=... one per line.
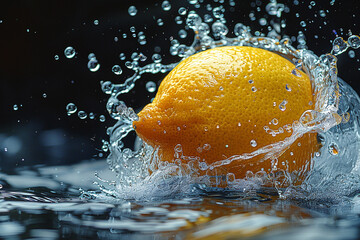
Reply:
x=141, y=170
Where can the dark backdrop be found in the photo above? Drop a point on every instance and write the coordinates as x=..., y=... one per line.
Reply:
x=33, y=32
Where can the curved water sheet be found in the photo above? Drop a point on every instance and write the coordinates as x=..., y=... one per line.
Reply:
x=336, y=170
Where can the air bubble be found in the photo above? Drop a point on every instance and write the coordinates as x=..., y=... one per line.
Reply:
x=150, y=86
x=15, y=107
x=253, y=143
x=44, y=95
x=71, y=108
x=96, y=22
x=254, y=89
x=132, y=11
x=333, y=149
x=91, y=115
x=303, y=23
x=56, y=57
x=82, y=115
x=166, y=5
x=69, y=52
x=116, y=69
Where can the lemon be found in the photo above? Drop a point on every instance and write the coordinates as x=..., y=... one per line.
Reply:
x=231, y=101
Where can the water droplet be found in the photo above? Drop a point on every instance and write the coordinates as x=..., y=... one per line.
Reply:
x=122, y=56
x=282, y=105
x=333, y=149
x=287, y=87
x=351, y=54
x=102, y=118
x=230, y=177
x=93, y=65
x=106, y=87
x=91, y=56
x=254, y=89
x=178, y=20
x=44, y=95
x=253, y=143
x=274, y=8
x=156, y=58
x=322, y=13
x=262, y=21
x=354, y=41
x=182, y=11
x=303, y=23
x=150, y=86
x=56, y=57
x=82, y=115
x=166, y=5
x=178, y=148
x=206, y=147
x=339, y=46
x=132, y=11
x=160, y=22
x=275, y=121
x=182, y=33
x=296, y=72
x=15, y=107
x=208, y=18
x=96, y=22
x=69, y=52
x=71, y=108
x=91, y=115
x=116, y=69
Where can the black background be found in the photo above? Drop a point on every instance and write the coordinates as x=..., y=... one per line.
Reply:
x=33, y=32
